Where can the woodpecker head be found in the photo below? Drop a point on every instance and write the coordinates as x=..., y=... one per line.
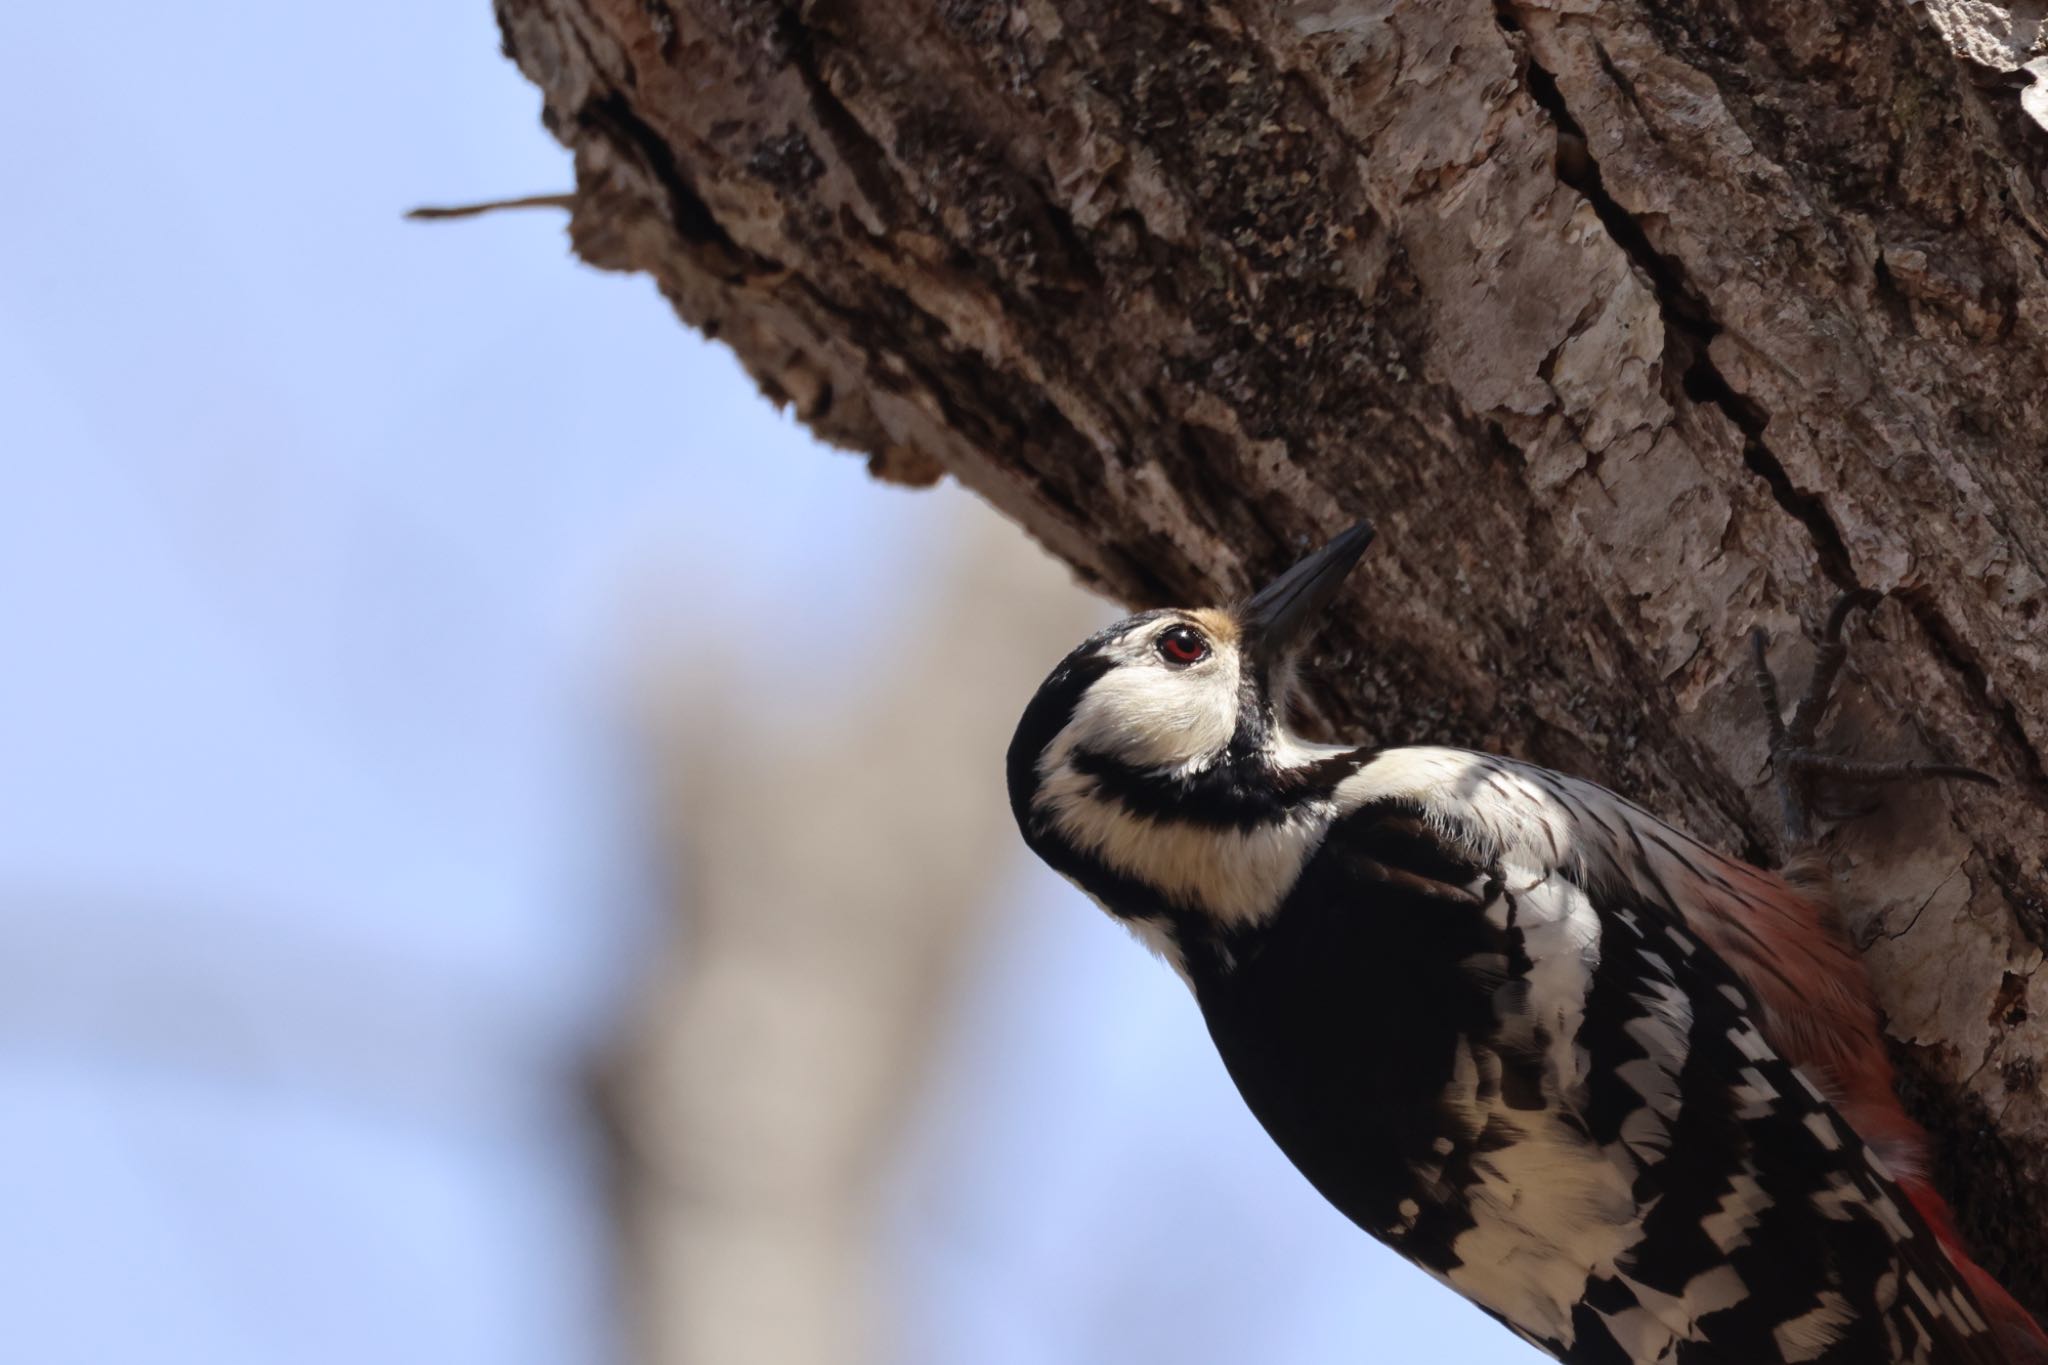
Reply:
x=1166, y=730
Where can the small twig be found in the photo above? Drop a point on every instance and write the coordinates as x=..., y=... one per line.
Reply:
x=428, y=212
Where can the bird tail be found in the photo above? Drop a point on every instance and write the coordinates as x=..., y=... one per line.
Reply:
x=2018, y=1333
x=1783, y=935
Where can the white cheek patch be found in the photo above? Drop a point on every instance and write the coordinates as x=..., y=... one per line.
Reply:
x=1171, y=722
x=1151, y=716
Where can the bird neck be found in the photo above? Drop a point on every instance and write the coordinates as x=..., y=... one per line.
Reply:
x=1238, y=790
x=1190, y=858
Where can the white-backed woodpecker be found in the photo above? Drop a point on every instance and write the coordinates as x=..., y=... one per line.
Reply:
x=1626, y=1093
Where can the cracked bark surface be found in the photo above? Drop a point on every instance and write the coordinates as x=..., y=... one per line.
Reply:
x=1631, y=323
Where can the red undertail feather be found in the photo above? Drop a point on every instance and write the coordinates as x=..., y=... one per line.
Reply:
x=1782, y=934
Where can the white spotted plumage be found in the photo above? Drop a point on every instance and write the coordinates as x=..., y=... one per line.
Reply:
x=1612, y=1085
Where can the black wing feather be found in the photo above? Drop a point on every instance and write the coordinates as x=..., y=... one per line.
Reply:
x=1343, y=1022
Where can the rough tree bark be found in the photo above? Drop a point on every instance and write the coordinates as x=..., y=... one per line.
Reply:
x=1631, y=323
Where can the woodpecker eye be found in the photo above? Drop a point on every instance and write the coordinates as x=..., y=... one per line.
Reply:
x=1183, y=645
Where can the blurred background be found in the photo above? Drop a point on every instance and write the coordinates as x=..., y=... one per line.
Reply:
x=503, y=855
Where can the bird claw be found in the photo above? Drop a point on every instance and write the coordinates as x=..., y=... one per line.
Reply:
x=1814, y=783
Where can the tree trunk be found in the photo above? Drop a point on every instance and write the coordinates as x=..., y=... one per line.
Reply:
x=772, y=1068
x=1632, y=323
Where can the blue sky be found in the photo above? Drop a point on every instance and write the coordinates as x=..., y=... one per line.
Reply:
x=319, y=530
x=321, y=537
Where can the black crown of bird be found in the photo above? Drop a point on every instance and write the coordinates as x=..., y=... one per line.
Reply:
x=1626, y=1093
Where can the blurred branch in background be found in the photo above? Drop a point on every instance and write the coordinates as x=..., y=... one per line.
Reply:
x=828, y=867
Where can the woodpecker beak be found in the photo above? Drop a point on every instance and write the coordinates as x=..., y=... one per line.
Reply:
x=1284, y=611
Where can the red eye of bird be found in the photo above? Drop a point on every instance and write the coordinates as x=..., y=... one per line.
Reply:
x=1183, y=645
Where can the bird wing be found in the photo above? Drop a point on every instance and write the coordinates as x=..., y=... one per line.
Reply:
x=1551, y=1094
x=1783, y=937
